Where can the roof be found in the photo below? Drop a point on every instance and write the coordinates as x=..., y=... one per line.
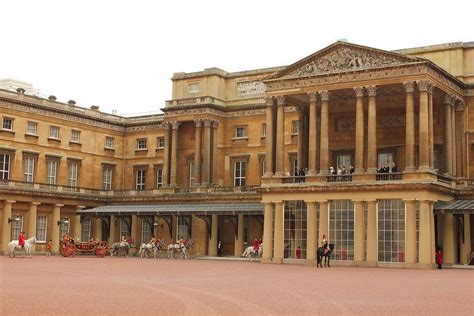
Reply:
x=456, y=206
x=191, y=209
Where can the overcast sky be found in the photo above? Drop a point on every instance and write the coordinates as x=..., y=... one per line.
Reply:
x=121, y=54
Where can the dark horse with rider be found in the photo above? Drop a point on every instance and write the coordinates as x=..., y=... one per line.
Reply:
x=324, y=252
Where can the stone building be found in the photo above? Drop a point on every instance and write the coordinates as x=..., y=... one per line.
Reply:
x=224, y=160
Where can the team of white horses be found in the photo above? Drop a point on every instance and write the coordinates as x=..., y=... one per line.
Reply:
x=145, y=249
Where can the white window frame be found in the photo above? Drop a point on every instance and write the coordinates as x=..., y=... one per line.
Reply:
x=5, y=166
x=54, y=132
x=32, y=128
x=41, y=228
x=182, y=228
x=295, y=127
x=124, y=228
x=107, y=177
x=264, y=129
x=193, y=87
x=72, y=172
x=159, y=177
x=240, y=132
x=240, y=168
x=146, y=231
x=109, y=142
x=160, y=142
x=86, y=229
x=7, y=123
x=28, y=169
x=140, y=179
x=64, y=228
x=191, y=173
x=141, y=144
x=52, y=169
x=17, y=227
x=75, y=136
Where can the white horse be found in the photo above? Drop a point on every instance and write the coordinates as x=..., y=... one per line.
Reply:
x=180, y=247
x=13, y=245
x=146, y=248
x=249, y=253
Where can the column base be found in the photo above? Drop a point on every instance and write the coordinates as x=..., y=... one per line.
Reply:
x=359, y=171
x=266, y=260
x=310, y=262
x=323, y=173
x=410, y=169
x=372, y=170
x=311, y=173
x=424, y=168
x=277, y=260
x=279, y=174
x=268, y=175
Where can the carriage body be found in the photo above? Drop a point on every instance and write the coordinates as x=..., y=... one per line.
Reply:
x=98, y=248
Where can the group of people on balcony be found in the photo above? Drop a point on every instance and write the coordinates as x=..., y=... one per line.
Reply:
x=384, y=171
x=342, y=173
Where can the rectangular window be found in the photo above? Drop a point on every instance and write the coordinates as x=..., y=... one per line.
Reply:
x=239, y=173
x=107, y=173
x=295, y=127
x=264, y=129
x=28, y=169
x=159, y=177
x=240, y=132
x=146, y=230
x=75, y=136
x=54, y=132
x=7, y=123
x=262, y=167
x=183, y=229
x=391, y=230
x=160, y=142
x=294, y=230
x=341, y=229
x=4, y=167
x=191, y=174
x=32, y=128
x=41, y=229
x=124, y=228
x=52, y=166
x=385, y=160
x=86, y=229
x=193, y=87
x=141, y=143
x=344, y=163
x=140, y=179
x=64, y=228
x=17, y=227
x=109, y=142
x=73, y=169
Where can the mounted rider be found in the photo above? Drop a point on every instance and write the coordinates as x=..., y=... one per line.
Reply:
x=325, y=244
x=66, y=240
x=152, y=240
x=21, y=240
x=256, y=245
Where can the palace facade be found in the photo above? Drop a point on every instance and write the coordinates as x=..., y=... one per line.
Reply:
x=221, y=162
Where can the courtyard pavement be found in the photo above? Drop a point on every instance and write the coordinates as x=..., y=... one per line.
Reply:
x=133, y=286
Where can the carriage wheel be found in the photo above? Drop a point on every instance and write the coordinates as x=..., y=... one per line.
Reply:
x=100, y=252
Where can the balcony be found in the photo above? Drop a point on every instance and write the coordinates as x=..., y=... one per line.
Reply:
x=195, y=101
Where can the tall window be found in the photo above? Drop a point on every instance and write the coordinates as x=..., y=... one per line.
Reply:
x=264, y=129
x=160, y=142
x=41, y=229
x=391, y=230
x=184, y=224
x=73, y=170
x=7, y=123
x=191, y=174
x=28, y=169
x=86, y=229
x=109, y=142
x=341, y=229
x=385, y=159
x=239, y=173
x=54, y=132
x=75, y=136
x=295, y=127
x=107, y=173
x=295, y=230
x=141, y=143
x=159, y=177
x=32, y=128
x=240, y=132
x=140, y=179
x=262, y=166
x=17, y=227
x=344, y=161
x=52, y=166
x=124, y=227
x=4, y=167
x=146, y=230
x=63, y=228
x=246, y=230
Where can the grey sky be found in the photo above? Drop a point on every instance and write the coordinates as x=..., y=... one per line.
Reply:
x=121, y=54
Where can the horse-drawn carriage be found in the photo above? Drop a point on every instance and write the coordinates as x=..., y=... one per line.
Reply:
x=99, y=248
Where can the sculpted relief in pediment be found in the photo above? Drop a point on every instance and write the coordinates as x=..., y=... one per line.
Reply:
x=343, y=59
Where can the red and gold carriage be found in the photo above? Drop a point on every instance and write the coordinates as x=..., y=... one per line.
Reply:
x=99, y=248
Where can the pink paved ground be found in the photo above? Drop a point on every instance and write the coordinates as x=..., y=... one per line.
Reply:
x=133, y=286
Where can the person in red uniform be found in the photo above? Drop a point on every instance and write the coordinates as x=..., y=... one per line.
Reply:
x=439, y=257
x=21, y=240
x=256, y=244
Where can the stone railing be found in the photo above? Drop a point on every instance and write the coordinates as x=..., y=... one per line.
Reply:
x=195, y=101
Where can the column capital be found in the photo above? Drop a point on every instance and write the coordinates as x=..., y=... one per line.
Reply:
x=324, y=95
x=423, y=85
x=310, y=201
x=371, y=91
x=207, y=122
x=281, y=100
x=165, y=125
x=214, y=123
x=359, y=91
x=313, y=96
x=10, y=201
x=198, y=123
x=449, y=99
x=175, y=124
x=269, y=101
x=80, y=207
x=278, y=202
x=58, y=205
x=409, y=86
x=430, y=88
x=459, y=105
x=409, y=200
x=35, y=203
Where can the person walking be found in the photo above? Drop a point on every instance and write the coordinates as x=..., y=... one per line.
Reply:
x=439, y=257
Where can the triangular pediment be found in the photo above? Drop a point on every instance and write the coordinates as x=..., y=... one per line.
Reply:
x=342, y=57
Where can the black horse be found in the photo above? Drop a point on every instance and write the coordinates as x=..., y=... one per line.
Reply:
x=320, y=254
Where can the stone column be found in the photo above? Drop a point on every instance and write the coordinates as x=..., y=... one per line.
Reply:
x=466, y=247
x=206, y=152
x=268, y=232
x=300, y=161
x=324, y=151
x=311, y=238
x=425, y=252
x=372, y=232
x=213, y=160
x=174, y=153
x=359, y=133
x=197, y=153
x=97, y=228
x=280, y=136
x=323, y=220
x=213, y=240
x=424, y=130
x=447, y=137
x=410, y=226
x=409, y=128
x=6, y=226
x=133, y=232
x=372, y=131
x=430, y=124
x=278, y=237
x=239, y=239
x=77, y=222
x=448, y=238
x=112, y=237
x=359, y=233
x=269, y=138
x=453, y=140
x=32, y=221
x=166, y=155
x=313, y=133
x=55, y=228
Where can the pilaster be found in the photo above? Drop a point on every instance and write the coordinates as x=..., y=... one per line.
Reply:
x=269, y=146
x=214, y=237
x=55, y=228
x=311, y=238
x=313, y=133
x=359, y=233
x=324, y=152
x=424, y=128
x=410, y=127
x=267, y=232
x=359, y=133
x=198, y=153
x=372, y=131
x=410, y=226
x=32, y=221
x=278, y=237
x=280, y=137
x=174, y=153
